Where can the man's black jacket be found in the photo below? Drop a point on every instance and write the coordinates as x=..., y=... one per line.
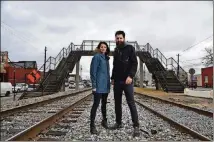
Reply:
x=124, y=63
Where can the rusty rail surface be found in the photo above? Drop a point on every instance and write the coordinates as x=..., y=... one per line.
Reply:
x=200, y=111
x=176, y=124
x=22, y=108
x=32, y=132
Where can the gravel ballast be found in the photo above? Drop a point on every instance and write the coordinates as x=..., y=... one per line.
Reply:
x=152, y=127
x=15, y=123
x=200, y=123
x=9, y=103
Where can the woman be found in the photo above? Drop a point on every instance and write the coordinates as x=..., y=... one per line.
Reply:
x=100, y=77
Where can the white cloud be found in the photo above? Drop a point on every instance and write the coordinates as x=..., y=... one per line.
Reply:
x=169, y=26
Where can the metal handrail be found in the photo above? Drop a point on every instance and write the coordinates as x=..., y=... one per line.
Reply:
x=55, y=62
x=162, y=71
x=64, y=52
x=60, y=77
x=143, y=49
x=162, y=58
x=181, y=70
x=166, y=83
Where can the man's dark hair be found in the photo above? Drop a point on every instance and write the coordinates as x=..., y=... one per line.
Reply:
x=120, y=33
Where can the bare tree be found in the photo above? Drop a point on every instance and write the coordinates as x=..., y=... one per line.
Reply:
x=208, y=58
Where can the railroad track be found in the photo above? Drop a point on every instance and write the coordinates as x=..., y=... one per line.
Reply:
x=21, y=120
x=153, y=127
x=40, y=103
x=60, y=123
x=198, y=123
x=201, y=111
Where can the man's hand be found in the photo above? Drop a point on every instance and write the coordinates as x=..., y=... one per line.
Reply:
x=128, y=80
x=112, y=82
x=94, y=90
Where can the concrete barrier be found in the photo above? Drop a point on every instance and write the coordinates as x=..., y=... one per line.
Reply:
x=203, y=94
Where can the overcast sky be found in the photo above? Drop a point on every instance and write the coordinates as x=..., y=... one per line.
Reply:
x=27, y=27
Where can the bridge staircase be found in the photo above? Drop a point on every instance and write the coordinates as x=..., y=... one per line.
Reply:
x=56, y=70
x=169, y=75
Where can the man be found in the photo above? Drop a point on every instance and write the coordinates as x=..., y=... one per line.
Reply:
x=124, y=70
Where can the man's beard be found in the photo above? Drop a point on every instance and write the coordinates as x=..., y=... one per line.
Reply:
x=120, y=43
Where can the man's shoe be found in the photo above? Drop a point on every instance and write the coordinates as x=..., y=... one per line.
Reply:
x=116, y=126
x=104, y=124
x=93, y=130
x=136, y=132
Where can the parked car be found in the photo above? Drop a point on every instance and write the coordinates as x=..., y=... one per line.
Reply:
x=6, y=88
x=66, y=84
x=72, y=85
x=17, y=88
x=23, y=85
x=81, y=85
x=31, y=87
x=87, y=83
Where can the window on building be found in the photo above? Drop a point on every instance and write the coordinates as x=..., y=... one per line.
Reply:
x=205, y=79
x=30, y=64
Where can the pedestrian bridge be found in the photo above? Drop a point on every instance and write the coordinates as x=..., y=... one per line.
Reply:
x=165, y=71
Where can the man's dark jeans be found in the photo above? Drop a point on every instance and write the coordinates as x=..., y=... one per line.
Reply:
x=128, y=89
x=97, y=97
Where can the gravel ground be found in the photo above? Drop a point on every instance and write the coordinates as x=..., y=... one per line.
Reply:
x=189, y=118
x=16, y=123
x=152, y=127
x=10, y=98
x=8, y=103
x=197, y=102
x=200, y=103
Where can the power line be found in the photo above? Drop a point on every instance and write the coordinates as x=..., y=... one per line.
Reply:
x=191, y=59
x=197, y=43
x=21, y=38
x=14, y=33
x=193, y=64
x=27, y=37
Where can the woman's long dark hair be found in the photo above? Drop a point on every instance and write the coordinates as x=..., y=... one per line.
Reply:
x=107, y=50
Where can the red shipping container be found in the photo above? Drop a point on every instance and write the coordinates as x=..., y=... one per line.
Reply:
x=20, y=75
x=207, y=77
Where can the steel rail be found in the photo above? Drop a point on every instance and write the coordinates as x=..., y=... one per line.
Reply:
x=176, y=124
x=32, y=132
x=25, y=107
x=200, y=111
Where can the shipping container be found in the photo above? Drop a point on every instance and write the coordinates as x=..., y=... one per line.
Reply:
x=207, y=77
x=17, y=71
x=20, y=75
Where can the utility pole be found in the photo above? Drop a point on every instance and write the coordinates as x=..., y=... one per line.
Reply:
x=178, y=66
x=44, y=62
x=14, y=82
x=44, y=69
x=144, y=73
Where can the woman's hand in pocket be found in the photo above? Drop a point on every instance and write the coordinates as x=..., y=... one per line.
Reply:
x=94, y=90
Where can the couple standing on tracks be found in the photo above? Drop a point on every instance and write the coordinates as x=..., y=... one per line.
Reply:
x=124, y=69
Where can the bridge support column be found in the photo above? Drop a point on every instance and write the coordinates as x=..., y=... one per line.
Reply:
x=141, y=74
x=63, y=86
x=77, y=74
x=157, y=84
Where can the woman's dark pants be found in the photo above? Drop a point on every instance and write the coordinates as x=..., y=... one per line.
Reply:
x=97, y=97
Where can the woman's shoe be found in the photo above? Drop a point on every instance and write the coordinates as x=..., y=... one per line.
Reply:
x=104, y=124
x=93, y=130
